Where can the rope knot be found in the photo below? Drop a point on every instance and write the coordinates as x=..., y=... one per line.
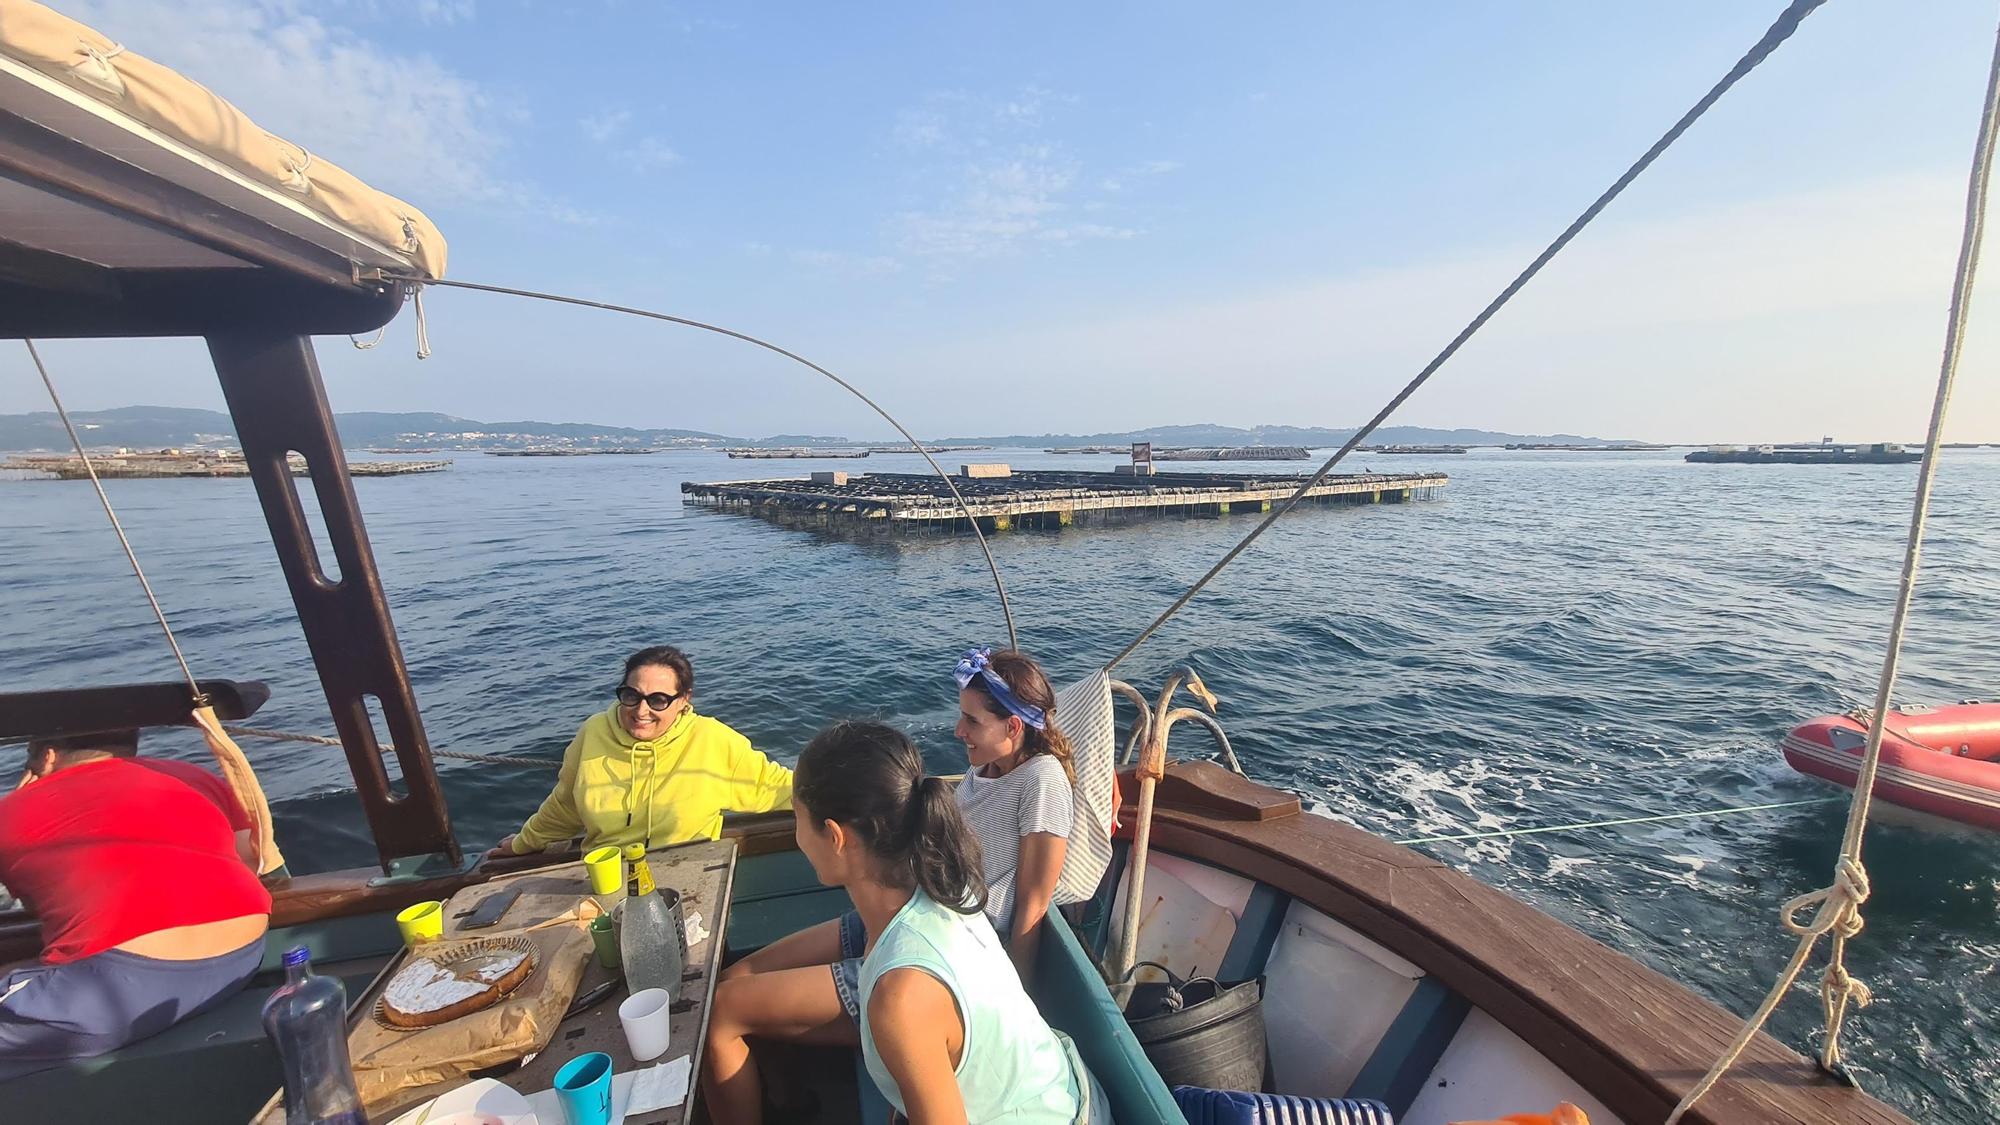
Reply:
x=1839, y=905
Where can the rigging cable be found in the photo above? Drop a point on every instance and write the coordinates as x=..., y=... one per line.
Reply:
x=236, y=768
x=1839, y=905
x=1000, y=587
x=112, y=515
x=389, y=748
x=1781, y=30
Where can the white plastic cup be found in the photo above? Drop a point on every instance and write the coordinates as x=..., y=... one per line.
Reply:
x=644, y=1015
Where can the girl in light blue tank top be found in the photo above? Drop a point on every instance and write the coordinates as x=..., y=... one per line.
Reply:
x=947, y=1031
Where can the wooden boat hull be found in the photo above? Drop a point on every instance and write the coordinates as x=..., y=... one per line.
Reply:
x=1388, y=974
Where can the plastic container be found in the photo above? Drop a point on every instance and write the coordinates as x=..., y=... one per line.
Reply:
x=584, y=1087
x=646, y=1016
x=307, y=1018
x=1199, y=1032
x=649, y=943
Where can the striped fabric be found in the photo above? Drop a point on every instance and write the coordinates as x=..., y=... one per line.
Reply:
x=1083, y=713
x=1232, y=1107
x=1033, y=797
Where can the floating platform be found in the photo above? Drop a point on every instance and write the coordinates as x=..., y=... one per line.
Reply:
x=1236, y=453
x=1418, y=449
x=172, y=463
x=1042, y=498
x=1203, y=453
x=1611, y=447
x=794, y=454
x=1880, y=453
x=565, y=452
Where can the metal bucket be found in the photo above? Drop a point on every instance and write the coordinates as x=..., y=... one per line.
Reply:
x=1201, y=1032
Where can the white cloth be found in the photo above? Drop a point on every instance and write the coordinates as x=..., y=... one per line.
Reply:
x=1083, y=713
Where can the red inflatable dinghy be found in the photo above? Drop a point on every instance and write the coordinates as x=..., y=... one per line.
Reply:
x=1943, y=761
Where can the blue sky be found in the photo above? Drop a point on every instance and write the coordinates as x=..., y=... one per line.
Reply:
x=1031, y=217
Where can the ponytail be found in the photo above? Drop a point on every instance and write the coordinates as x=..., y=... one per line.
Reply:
x=944, y=854
x=869, y=777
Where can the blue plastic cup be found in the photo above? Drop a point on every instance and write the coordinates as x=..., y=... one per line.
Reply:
x=584, y=1085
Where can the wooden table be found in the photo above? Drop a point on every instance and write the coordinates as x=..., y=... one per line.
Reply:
x=703, y=873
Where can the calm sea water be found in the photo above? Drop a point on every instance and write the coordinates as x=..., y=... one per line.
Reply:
x=1561, y=638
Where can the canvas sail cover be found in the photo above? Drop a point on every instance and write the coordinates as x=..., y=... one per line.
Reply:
x=175, y=109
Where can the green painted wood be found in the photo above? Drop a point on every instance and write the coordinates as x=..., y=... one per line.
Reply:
x=1070, y=992
x=775, y=895
x=1412, y=1046
x=1256, y=932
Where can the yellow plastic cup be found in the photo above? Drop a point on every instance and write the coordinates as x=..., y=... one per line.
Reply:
x=607, y=870
x=421, y=923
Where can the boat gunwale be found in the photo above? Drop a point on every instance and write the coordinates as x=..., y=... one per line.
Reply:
x=1523, y=967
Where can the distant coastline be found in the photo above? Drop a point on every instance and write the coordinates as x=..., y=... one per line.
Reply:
x=155, y=427
x=162, y=427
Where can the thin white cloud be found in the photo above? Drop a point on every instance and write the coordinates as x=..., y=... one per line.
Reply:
x=397, y=118
x=921, y=129
x=608, y=127
x=444, y=13
x=1112, y=185
x=1789, y=317
x=604, y=125
x=1025, y=108
x=846, y=265
x=649, y=154
x=1000, y=183
x=1001, y=205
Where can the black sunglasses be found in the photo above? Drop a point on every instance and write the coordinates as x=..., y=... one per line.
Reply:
x=658, y=701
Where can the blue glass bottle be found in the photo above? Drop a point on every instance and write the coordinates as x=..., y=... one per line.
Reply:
x=307, y=1018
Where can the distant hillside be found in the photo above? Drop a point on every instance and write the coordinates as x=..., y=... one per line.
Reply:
x=157, y=426
x=153, y=427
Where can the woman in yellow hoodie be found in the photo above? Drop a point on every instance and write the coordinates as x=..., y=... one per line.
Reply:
x=651, y=771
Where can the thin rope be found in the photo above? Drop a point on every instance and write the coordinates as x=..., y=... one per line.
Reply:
x=1507, y=832
x=1006, y=609
x=1786, y=24
x=112, y=515
x=322, y=740
x=1839, y=905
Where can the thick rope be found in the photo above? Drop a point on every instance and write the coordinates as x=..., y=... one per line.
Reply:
x=243, y=780
x=1698, y=813
x=1786, y=24
x=1006, y=609
x=112, y=515
x=461, y=755
x=1839, y=906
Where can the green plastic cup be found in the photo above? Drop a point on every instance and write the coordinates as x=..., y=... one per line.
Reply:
x=604, y=938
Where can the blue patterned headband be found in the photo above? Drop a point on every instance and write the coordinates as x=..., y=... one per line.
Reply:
x=977, y=663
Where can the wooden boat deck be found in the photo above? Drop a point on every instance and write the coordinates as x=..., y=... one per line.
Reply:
x=1635, y=1039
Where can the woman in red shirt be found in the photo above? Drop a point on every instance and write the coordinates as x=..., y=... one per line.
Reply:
x=149, y=911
